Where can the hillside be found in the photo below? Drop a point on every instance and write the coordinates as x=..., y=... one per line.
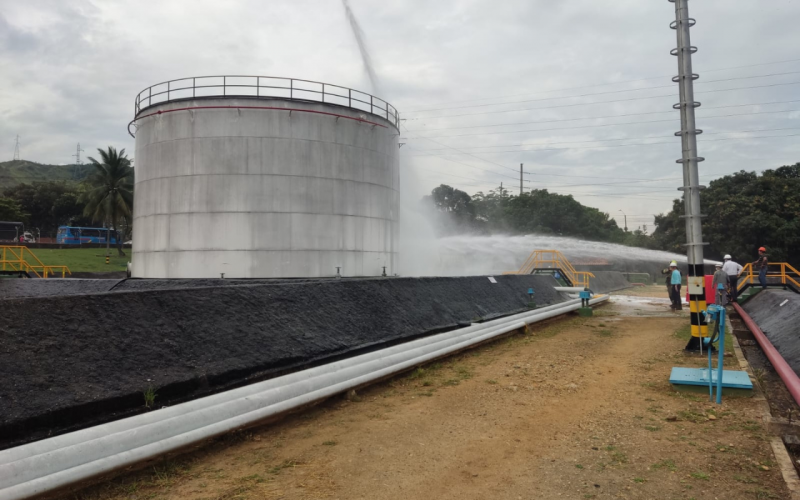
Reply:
x=17, y=172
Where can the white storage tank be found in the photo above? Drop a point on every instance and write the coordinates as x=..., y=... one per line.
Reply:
x=257, y=177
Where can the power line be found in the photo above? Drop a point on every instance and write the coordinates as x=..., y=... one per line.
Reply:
x=601, y=125
x=604, y=102
x=611, y=140
x=609, y=83
x=603, y=93
x=605, y=116
x=622, y=145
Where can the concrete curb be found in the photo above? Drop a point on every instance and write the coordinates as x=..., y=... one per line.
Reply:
x=775, y=426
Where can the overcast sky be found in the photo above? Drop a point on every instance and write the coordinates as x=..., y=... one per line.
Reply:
x=482, y=85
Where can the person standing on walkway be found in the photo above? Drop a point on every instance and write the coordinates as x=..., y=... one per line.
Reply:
x=732, y=269
x=761, y=264
x=720, y=278
x=675, y=286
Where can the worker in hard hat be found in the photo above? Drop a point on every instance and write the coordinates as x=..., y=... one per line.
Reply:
x=732, y=269
x=761, y=264
x=720, y=278
x=675, y=286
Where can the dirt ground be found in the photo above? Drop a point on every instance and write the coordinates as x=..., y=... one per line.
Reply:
x=576, y=408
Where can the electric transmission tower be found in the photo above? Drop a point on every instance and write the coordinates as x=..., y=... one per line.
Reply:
x=16, y=148
x=76, y=170
x=77, y=154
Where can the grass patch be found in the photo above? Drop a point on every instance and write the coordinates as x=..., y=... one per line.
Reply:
x=329, y=443
x=578, y=466
x=149, y=397
x=83, y=259
x=639, y=480
x=701, y=475
x=427, y=394
x=257, y=478
x=491, y=382
x=692, y=416
x=451, y=382
x=668, y=464
x=683, y=333
x=284, y=465
x=652, y=428
x=605, y=333
x=463, y=372
x=417, y=374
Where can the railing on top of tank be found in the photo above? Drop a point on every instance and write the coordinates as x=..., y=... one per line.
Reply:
x=263, y=86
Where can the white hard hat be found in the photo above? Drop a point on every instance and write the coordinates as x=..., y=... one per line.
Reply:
x=673, y=263
x=727, y=256
x=718, y=264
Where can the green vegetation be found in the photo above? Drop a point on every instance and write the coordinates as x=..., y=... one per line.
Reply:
x=110, y=196
x=81, y=259
x=538, y=211
x=16, y=172
x=745, y=210
x=44, y=197
x=149, y=397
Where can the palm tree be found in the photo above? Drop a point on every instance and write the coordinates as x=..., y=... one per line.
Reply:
x=110, y=194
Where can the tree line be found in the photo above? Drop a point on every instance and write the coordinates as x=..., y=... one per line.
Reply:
x=538, y=211
x=104, y=198
x=744, y=211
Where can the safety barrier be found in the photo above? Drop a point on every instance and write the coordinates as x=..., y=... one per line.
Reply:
x=21, y=260
x=552, y=260
x=778, y=274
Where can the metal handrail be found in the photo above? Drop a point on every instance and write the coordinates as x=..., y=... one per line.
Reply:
x=538, y=258
x=286, y=88
x=12, y=258
x=787, y=275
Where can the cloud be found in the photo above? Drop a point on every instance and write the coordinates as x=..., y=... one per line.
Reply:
x=69, y=72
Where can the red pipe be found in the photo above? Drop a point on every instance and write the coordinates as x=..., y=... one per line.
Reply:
x=789, y=377
x=275, y=108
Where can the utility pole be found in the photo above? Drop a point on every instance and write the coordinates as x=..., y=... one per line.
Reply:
x=16, y=148
x=691, y=178
x=626, y=220
x=520, y=179
x=501, y=190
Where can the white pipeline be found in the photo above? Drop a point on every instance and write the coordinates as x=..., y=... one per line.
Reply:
x=46, y=465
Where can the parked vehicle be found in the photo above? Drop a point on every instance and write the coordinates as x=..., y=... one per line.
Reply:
x=11, y=231
x=68, y=235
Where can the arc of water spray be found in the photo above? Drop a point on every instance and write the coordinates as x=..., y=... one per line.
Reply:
x=366, y=58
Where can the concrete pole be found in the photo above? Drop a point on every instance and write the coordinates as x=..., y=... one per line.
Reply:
x=691, y=178
x=520, y=179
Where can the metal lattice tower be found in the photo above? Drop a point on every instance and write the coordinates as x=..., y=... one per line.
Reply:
x=16, y=148
x=77, y=154
x=691, y=179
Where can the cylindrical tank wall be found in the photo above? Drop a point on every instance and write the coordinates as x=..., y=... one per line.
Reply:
x=264, y=192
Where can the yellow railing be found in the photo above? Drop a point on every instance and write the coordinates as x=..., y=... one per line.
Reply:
x=19, y=258
x=553, y=259
x=782, y=271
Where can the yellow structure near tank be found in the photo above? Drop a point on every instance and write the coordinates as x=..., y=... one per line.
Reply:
x=20, y=259
x=540, y=260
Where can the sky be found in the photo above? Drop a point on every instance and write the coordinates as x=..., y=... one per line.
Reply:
x=578, y=91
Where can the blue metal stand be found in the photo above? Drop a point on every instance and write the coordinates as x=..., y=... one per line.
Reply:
x=699, y=376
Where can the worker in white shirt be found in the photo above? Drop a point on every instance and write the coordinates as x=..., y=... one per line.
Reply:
x=732, y=269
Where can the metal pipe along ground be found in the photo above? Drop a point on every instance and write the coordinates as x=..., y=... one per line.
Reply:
x=789, y=377
x=54, y=463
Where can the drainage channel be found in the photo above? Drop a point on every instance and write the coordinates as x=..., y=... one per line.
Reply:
x=56, y=463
